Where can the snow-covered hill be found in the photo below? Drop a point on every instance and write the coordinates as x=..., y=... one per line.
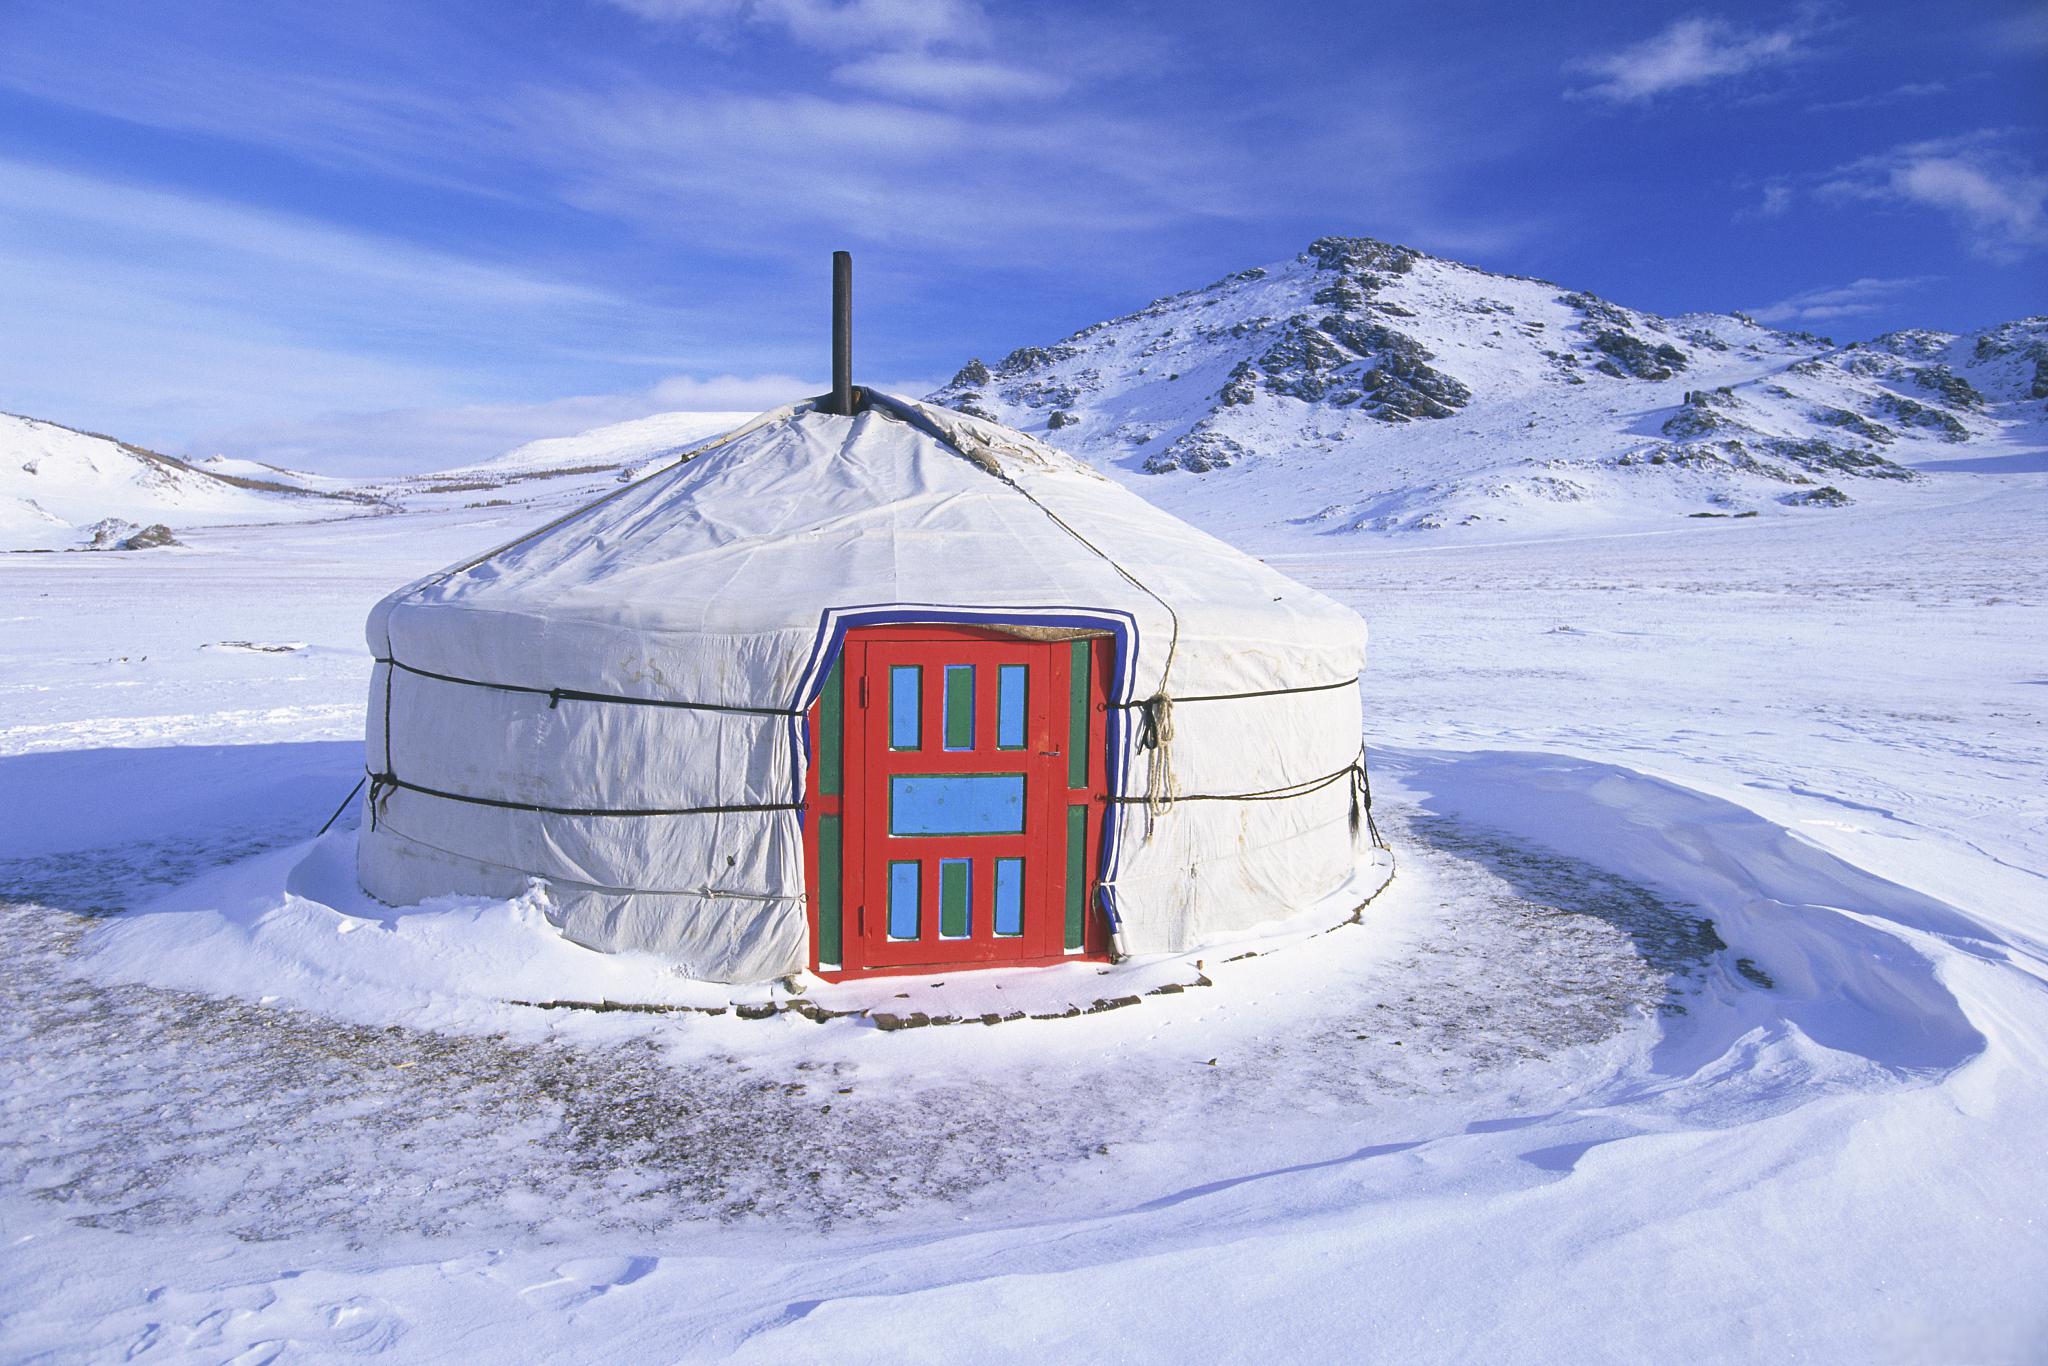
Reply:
x=231, y=468
x=560, y=470
x=604, y=448
x=1363, y=386
x=62, y=488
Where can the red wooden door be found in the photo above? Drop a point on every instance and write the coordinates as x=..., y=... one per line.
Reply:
x=966, y=823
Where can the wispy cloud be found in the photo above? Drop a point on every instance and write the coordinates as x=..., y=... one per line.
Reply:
x=1696, y=51
x=910, y=141
x=1836, y=303
x=2025, y=31
x=947, y=80
x=819, y=23
x=1777, y=201
x=318, y=253
x=411, y=119
x=1995, y=193
x=1898, y=94
x=181, y=307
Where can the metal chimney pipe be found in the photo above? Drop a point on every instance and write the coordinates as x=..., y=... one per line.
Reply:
x=842, y=333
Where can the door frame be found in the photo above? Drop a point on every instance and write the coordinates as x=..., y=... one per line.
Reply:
x=824, y=814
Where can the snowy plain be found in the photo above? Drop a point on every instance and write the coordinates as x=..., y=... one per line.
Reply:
x=1707, y=1016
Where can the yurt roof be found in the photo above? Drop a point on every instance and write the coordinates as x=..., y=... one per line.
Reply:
x=717, y=578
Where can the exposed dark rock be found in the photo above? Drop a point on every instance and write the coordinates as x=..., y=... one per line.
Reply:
x=1201, y=449
x=1693, y=421
x=1365, y=339
x=1596, y=309
x=1817, y=456
x=1704, y=411
x=1401, y=387
x=1241, y=387
x=1060, y=418
x=1955, y=391
x=1854, y=422
x=1826, y=496
x=1913, y=343
x=1638, y=357
x=1356, y=255
x=1046, y=393
x=970, y=376
x=1342, y=360
x=151, y=537
x=1302, y=362
x=1237, y=277
x=1908, y=413
x=971, y=404
x=1028, y=358
x=1348, y=293
x=115, y=533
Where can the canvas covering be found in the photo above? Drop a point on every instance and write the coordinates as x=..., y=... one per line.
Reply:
x=725, y=582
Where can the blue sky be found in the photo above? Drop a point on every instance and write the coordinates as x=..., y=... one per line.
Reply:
x=371, y=235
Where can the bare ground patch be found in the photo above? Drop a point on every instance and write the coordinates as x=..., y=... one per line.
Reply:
x=136, y=1107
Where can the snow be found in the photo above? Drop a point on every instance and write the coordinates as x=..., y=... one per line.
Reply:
x=273, y=474
x=56, y=483
x=1257, y=394
x=294, y=926
x=616, y=444
x=1707, y=1015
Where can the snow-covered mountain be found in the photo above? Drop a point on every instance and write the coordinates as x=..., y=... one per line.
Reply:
x=62, y=488
x=1364, y=386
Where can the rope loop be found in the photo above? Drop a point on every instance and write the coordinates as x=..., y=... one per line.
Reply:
x=382, y=785
x=1156, y=739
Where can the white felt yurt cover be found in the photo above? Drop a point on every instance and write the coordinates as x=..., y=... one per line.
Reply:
x=613, y=704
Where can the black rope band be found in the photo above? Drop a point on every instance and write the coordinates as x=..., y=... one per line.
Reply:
x=1176, y=699
x=1272, y=794
x=329, y=823
x=556, y=696
x=389, y=780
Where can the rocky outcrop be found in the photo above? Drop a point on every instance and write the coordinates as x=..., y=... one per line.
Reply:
x=1629, y=354
x=1910, y=413
x=1854, y=423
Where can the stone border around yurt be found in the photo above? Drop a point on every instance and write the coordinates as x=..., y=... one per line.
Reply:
x=889, y=1020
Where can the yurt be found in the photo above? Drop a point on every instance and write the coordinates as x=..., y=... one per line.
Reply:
x=868, y=687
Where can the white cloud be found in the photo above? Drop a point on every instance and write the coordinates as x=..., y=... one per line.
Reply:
x=923, y=76
x=2002, y=209
x=154, y=314
x=1776, y=202
x=1690, y=52
x=1997, y=197
x=830, y=23
x=1911, y=90
x=72, y=207
x=1858, y=298
x=2026, y=31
